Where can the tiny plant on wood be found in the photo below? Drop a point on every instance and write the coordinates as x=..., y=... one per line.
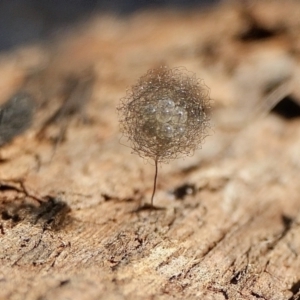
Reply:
x=165, y=115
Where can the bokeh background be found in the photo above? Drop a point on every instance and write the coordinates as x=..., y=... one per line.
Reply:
x=23, y=21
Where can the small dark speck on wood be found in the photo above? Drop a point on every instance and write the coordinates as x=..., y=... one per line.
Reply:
x=182, y=191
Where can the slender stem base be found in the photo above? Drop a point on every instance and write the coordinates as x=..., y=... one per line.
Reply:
x=154, y=184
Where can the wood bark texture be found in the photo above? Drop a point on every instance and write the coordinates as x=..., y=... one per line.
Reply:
x=227, y=222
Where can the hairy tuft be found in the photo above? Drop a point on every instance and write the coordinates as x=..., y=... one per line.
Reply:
x=166, y=114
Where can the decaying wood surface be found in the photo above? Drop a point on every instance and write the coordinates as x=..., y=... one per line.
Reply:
x=228, y=226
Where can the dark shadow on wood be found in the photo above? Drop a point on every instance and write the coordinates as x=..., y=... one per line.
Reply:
x=149, y=207
x=287, y=108
x=50, y=214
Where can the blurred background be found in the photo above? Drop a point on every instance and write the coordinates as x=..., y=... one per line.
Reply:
x=67, y=54
x=23, y=21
